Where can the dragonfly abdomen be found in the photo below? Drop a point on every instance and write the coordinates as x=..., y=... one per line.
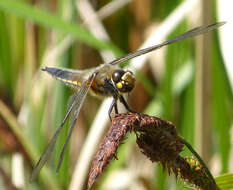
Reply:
x=63, y=75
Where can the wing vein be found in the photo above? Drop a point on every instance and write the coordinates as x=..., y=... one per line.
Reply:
x=81, y=96
x=191, y=33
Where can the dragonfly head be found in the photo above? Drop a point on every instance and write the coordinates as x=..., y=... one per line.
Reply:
x=123, y=80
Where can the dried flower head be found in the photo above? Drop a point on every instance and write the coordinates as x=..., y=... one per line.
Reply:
x=159, y=141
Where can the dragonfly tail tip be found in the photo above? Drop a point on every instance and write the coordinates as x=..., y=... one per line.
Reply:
x=44, y=69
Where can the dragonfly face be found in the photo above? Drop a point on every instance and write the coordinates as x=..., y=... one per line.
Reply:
x=123, y=80
x=105, y=80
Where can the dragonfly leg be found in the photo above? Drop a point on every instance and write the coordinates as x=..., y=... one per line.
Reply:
x=122, y=100
x=116, y=108
x=116, y=96
x=113, y=105
x=112, y=88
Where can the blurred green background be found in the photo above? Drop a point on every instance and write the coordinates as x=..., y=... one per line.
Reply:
x=185, y=83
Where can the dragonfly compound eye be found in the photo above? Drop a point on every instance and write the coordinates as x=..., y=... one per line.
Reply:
x=117, y=74
x=124, y=80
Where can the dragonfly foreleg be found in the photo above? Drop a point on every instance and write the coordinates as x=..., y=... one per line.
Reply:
x=122, y=100
x=113, y=105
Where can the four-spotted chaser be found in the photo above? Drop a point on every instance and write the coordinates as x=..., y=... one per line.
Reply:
x=106, y=80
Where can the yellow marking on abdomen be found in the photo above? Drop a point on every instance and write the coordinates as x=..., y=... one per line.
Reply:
x=74, y=82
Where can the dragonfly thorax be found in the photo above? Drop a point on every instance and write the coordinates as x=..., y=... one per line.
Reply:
x=123, y=80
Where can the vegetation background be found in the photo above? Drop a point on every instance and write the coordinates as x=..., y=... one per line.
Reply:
x=188, y=83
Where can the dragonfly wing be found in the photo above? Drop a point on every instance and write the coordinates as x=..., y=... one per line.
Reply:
x=45, y=156
x=79, y=99
x=191, y=33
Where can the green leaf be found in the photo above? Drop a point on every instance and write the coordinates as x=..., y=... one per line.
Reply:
x=225, y=181
x=46, y=19
x=221, y=107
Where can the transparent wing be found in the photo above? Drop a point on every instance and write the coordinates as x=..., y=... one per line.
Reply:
x=190, y=33
x=79, y=98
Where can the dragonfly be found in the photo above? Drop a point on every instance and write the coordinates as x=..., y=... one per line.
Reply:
x=108, y=79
